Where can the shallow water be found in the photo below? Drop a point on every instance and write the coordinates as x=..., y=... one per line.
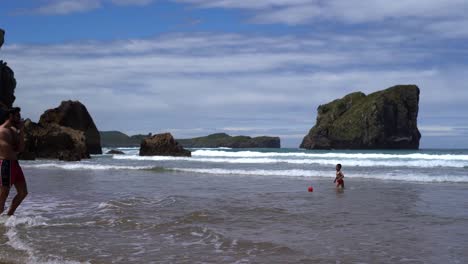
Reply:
x=89, y=215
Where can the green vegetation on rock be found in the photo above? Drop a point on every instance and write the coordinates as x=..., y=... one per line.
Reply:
x=382, y=120
x=119, y=139
x=224, y=140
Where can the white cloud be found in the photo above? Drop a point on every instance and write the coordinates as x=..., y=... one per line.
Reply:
x=64, y=7
x=224, y=82
x=132, y=2
x=450, y=28
x=350, y=11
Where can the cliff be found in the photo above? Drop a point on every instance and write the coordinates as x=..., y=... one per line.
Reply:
x=382, y=120
x=7, y=84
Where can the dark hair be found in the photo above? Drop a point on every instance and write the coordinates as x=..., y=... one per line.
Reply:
x=13, y=111
x=338, y=165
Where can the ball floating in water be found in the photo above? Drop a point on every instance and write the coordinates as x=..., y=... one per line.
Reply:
x=310, y=189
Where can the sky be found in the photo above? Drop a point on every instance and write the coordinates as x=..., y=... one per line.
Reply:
x=244, y=67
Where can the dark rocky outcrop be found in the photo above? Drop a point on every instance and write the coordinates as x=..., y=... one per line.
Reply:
x=382, y=120
x=7, y=84
x=162, y=145
x=115, y=152
x=65, y=133
x=2, y=37
x=73, y=114
x=224, y=140
x=53, y=142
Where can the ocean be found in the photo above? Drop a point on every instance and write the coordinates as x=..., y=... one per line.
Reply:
x=243, y=206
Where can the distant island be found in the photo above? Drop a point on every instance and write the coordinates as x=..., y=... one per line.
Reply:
x=119, y=139
x=224, y=140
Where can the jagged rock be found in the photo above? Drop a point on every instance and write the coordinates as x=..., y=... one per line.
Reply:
x=7, y=84
x=382, y=120
x=53, y=142
x=115, y=152
x=2, y=37
x=224, y=140
x=162, y=145
x=74, y=114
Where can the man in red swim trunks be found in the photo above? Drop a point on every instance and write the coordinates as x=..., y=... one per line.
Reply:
x=11, y=143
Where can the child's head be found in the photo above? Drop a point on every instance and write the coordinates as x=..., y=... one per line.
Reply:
x=338, y=167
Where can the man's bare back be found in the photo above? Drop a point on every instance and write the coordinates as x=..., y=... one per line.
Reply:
x=8, y=143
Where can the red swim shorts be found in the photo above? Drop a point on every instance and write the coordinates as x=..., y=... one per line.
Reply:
x=339, y=182
x=11, y=173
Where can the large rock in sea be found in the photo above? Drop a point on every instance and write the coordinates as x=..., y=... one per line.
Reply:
x=7, y=84
x=74, y=114
x=162, y=145
x=382, y=120
x=53, y=142
x=224, y=140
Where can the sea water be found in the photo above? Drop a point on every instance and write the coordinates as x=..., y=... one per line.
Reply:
x=243, y=206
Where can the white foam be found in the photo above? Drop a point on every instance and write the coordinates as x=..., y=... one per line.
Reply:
x=83, y=166
x=328, y=162
x=14, y=221
x=327, y=174
x=15, y=241
x=253, y=154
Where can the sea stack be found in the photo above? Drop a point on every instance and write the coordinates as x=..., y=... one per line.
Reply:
x=162, y=145
x=74, y=114
x=66, y=133
x=382, y=120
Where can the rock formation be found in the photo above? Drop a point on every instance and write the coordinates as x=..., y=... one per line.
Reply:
x=66, y=133
x=382, y=120
x=2, y=37
x=115, y=152
x=224, y=140
x=7, y=84
x=74, y=114
x=162, y=145
x=53, y=142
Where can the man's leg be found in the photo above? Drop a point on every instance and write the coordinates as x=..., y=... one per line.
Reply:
x=22, y=192
x=4, y=191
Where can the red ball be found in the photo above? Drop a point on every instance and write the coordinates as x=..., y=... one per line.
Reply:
x=310, y=189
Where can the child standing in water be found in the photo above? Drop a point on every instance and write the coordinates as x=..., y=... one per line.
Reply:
x=339, y=177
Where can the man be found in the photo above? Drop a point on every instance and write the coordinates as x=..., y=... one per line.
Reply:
x=11, y=143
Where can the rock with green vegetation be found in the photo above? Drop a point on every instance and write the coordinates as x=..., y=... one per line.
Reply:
x=162, y=145
x=382, y=120
x=119, y=139
x=224, y=140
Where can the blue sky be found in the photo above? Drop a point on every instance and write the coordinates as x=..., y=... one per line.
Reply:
x=194, y=67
